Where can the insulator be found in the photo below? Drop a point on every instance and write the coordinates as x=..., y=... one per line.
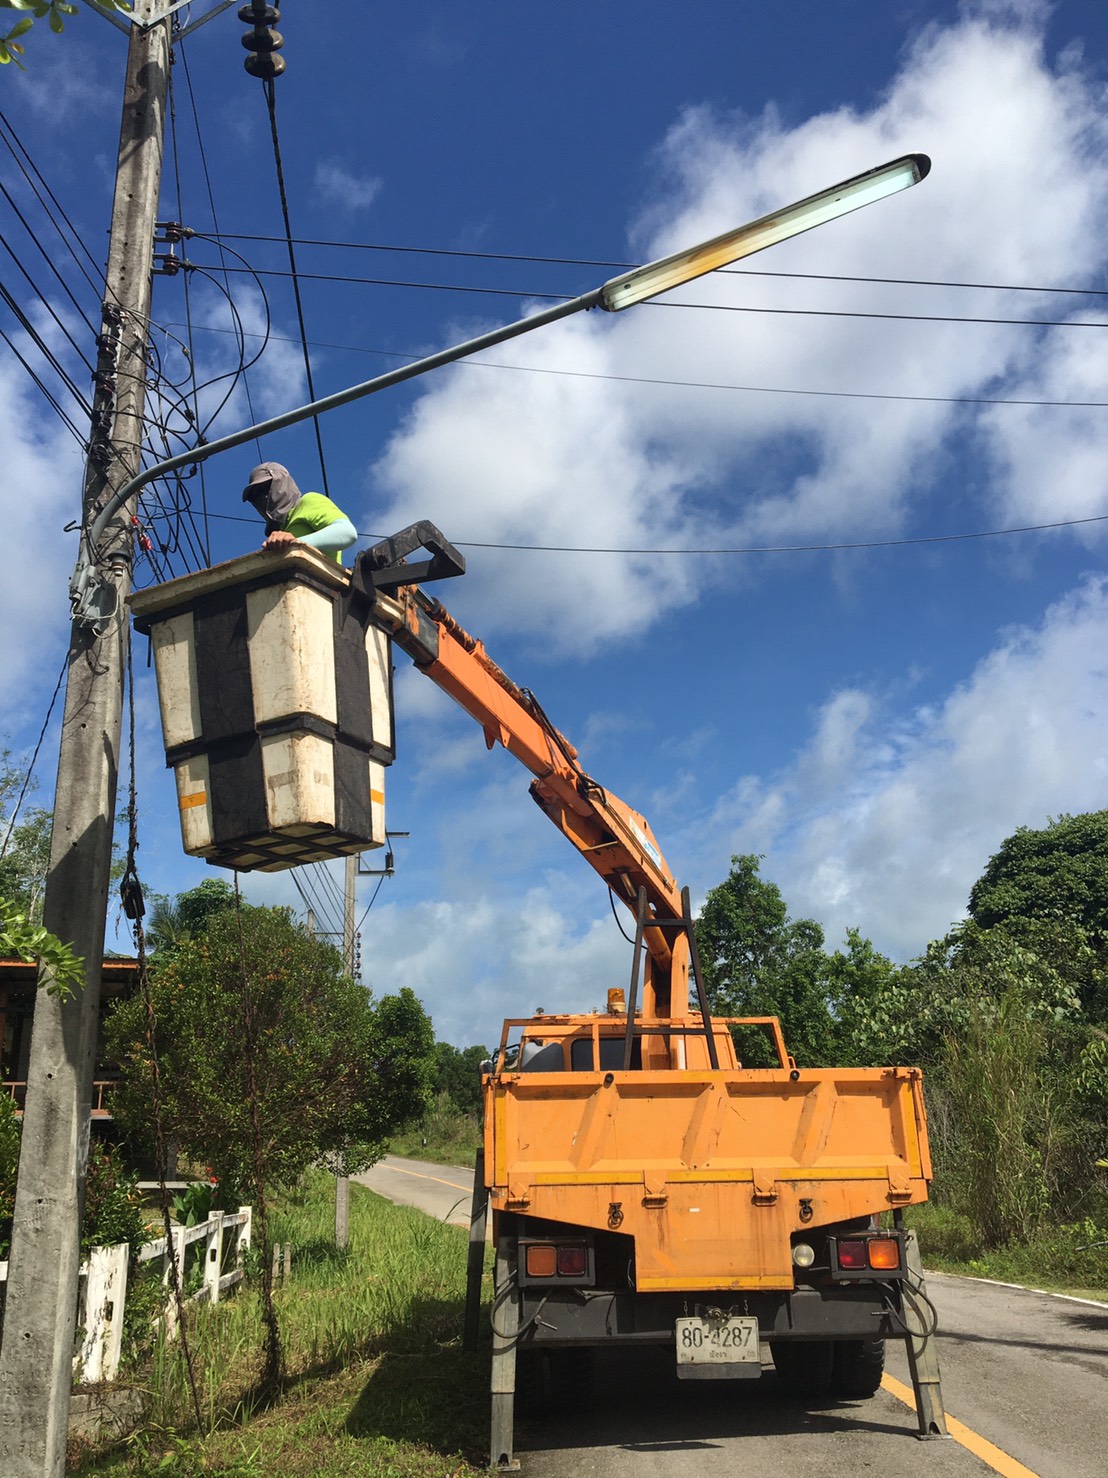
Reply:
x=264, y=66
x=259, y=15
x=263, y=40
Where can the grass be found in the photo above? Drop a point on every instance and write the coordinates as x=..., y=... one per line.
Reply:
x=1060, y=1260
x=376, y=1381
x=445, y=1136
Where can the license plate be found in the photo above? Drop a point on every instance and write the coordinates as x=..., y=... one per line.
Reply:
x=730, y=1341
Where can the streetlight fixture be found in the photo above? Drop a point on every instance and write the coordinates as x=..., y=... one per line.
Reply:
x=683, y=266
x=93, y=596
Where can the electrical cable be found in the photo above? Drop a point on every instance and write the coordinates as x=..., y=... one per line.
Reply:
x=33, y=235
x=183, y=53
x=44, y=349
x=1036, y=528
x=190, y=352
x=19, y=153
x=534, y=369
x=492, y=256
x=34, y=758
x=50, y=359
x=370, y=904
x=271, y=105
x=542, y=297
x=47, y=393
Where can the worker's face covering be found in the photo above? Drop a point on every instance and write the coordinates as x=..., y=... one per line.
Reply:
x=273, y=492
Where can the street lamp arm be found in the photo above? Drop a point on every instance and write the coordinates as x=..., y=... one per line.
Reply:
x=93, y=597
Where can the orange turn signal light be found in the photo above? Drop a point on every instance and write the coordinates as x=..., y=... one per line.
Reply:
x=884, y=1254
x=542, y=1260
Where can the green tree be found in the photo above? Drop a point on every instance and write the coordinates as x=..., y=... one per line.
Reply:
x=53, y=11
x=759, y=962
x=268, y=1059
x=265, y=1048
x=458, y=1075
x=1055, y=879
x=171, y=922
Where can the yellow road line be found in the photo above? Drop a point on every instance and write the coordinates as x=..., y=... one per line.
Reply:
x=454, y=1186
x=980, y=1446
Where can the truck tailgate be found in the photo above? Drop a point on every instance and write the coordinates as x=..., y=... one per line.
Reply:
x=710, y=1172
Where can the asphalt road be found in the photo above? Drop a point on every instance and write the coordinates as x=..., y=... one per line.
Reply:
x=1025, y=1382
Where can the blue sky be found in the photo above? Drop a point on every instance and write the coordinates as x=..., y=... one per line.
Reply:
x=873, y=720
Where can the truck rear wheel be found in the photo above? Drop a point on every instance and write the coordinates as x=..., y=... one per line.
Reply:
x=804, y=1369
x=857, y=1368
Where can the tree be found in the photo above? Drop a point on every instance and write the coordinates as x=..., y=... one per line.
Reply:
x=1055, y=879
x=458, y=1075
x=269, y=1057
x=11, y=47
x=759, y=962
x=266, y=1058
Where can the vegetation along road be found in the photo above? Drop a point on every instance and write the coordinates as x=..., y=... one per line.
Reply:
x=1025, y=1381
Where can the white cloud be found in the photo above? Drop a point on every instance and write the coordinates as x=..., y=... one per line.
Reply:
x=42, y=473
x=1018, y=194
x=338, y=186
x=885, y=821
x=476, y=962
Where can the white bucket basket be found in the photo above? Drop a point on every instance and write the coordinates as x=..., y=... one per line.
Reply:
x=276, y=700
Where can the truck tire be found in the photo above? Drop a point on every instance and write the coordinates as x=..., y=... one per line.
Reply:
x=804, y=1368
x=857, y=1368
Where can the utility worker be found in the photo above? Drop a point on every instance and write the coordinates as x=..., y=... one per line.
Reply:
x=294, y=517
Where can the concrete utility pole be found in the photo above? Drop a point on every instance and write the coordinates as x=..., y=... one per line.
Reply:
x=36, y=1358
x=342, y=1183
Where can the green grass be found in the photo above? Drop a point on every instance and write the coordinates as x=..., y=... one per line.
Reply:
x=445, y=1136
x=376, y=1381
x=1060, y=1260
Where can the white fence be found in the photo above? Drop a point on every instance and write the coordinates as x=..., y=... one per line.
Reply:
x=102, y=1295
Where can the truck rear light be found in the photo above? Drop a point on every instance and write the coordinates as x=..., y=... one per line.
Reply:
x=542, y=1260
x=573, y=1260
x=884, y=1254
x=852, y=1256
x=864, y=1256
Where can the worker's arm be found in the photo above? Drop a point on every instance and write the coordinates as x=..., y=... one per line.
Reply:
x=332, y=538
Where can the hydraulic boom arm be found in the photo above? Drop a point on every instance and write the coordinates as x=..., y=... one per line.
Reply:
x=614, y=839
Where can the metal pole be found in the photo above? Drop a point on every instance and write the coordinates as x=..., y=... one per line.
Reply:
x=36, y=1357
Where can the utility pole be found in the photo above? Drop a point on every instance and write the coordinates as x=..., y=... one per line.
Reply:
x=36, y=1357
x=342, y=1183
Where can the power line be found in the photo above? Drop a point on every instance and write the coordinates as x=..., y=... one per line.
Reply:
x=1032, y=528
x=491, y=256
x=271, y=105
x=540, y=297
x=534, y=369
x=1035, y=528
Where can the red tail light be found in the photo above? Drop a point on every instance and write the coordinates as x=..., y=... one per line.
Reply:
x=573, y=1261
x=852, y=1256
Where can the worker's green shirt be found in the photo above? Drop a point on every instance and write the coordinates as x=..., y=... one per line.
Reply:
x=314, y=511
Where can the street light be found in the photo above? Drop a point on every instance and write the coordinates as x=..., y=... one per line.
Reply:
x=93, y=596
x=658, y=277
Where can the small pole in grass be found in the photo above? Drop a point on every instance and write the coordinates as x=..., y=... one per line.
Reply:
x=342, y=1212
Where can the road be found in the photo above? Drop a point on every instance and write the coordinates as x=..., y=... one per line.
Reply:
x=1025, y=1381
